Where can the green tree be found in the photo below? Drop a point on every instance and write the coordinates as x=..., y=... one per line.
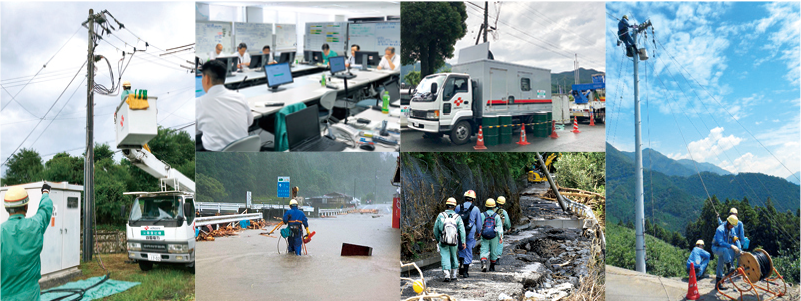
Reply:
x=412, y=78
x=419, y=22
x=24, y=167
x=209, y=189
x=64, y=168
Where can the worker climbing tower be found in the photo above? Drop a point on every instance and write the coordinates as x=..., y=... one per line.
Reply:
x=639, y=210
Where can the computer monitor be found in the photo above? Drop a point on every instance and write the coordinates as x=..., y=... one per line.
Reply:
x=367, y=58
x=312, y=56
x=287, y=57
x=337, y=64
x=302, y=126
x=231, y=62
x=277, y=74
x=258, y=60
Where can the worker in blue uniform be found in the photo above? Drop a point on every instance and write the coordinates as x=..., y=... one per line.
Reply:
x=700, y=259
x=623, y=34
x=739, y=230
x=296, y=221
x=725, y=248
x=470, y=215
x=22, y=242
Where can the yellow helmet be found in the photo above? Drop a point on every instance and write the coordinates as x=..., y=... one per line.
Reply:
x=126, y=84
x=733, y=220
x=418, y=286
x=501, y=200
x=16, y=196
x=490, y=203
x=293, y=202
x=451, y=201
x=625, y=17
x=699, y=242
x=470, y=193
x=733, y=211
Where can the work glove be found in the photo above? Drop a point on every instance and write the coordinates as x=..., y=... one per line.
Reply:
x=308, y=232
x=46, y=188
x=735, y=248
x=735, y=238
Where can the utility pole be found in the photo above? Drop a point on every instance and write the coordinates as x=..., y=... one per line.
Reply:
x=486, y=23
x=89, y=158
x=639, y=207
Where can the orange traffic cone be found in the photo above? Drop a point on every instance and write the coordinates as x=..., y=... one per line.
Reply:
x=592, y=118
x=523, y=135
x=575, y=125
x=480, y=142
x=553, y=130
x=692, y=290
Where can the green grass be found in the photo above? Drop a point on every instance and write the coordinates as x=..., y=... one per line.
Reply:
x=163, y=282
x=662, y=259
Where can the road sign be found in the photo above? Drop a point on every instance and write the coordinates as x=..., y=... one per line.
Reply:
x=249, y=199
x=283, y=187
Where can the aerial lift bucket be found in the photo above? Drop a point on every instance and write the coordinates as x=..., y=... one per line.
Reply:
x=138, y=125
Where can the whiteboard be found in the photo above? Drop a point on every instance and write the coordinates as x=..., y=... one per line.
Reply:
x=333, y=33
x=375, y=36
x=209, y=34
x=255, y=35
x=286, y=37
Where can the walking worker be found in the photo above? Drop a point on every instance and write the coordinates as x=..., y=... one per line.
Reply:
x=449, y=229
x=491, y=235
x=624, y=35
x=295, y=220
x=507, y=224
x=22, y=242
x=725, y=248
x=470, y=215
x=699, y=258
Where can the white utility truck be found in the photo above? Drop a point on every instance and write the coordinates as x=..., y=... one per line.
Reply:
x=479, y=86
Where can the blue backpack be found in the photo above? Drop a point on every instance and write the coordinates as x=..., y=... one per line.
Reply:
x=488, y=231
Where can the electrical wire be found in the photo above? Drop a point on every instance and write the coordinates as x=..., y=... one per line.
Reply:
x=59, y=112
x=765, y=265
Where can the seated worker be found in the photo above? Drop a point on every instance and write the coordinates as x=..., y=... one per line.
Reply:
x=270, y=57
x=216, y=53
x=700, y=259
x=223, y=116
x=389, y=61
x=352, y=59
x=243, y=55
x=327, y=52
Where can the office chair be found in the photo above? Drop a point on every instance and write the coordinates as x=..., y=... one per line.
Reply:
x=248, y=144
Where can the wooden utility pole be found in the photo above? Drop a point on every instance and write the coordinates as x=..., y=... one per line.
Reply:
x=486, y=24
x=89, y=158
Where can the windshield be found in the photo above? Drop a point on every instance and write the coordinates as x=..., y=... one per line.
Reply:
x=156, y=208
x=425, y=84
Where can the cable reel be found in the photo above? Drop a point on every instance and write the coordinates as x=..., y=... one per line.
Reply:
x=754, y=268
x=757, y=266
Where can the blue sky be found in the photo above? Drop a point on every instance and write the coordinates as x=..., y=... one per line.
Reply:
x=745, y=60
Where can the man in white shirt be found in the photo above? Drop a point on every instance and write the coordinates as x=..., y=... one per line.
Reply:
x=389, y=61
x=352, y=59
x=243, y=55
x=216, y=53
x=270, y=56
x=223, y=116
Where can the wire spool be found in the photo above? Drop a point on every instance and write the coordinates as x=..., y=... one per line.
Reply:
x=757, y=265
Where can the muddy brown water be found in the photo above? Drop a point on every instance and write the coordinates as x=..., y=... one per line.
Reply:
x=249, y=267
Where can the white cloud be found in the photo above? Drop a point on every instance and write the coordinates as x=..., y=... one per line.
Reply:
x=711, y=146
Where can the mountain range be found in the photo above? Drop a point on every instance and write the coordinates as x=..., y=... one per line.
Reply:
x=679, y=195
x=794, y=178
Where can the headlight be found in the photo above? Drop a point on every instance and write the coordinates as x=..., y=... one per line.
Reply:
x=432, y=114
x=134, y=246
x=177, y=248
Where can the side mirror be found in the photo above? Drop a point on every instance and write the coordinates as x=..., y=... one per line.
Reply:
x=433, y=88
x=188, y=211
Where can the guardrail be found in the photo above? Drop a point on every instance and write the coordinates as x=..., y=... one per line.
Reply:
x=236, y=206
x=223, y=219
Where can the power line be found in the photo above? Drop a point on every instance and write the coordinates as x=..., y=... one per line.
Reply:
x=59, y=112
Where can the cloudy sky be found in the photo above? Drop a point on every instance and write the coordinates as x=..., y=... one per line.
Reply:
x=33, y=32
x=541, y=34
x=741, y=65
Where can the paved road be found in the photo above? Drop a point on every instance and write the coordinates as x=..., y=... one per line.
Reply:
x=248, y=267
x=591, y=139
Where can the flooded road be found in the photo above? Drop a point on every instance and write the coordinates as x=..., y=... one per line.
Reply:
x=248, y=267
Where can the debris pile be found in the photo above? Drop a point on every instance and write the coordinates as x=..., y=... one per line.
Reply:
x=368, y=211
x=208, y=233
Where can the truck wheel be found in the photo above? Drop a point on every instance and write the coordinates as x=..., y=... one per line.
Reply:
x=460, y=134
x=145, y=266
x=191, y=268
x=601, y=117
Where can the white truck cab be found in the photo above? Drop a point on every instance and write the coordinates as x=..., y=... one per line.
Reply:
x=454, y=103
x=161, y=229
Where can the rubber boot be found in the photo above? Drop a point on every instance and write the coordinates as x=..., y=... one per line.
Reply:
x=484, y=265
x=466, y=270
x=719, y=284
x=498, y=261
x=447, y=275
x=492, y=266
x=453, y=275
